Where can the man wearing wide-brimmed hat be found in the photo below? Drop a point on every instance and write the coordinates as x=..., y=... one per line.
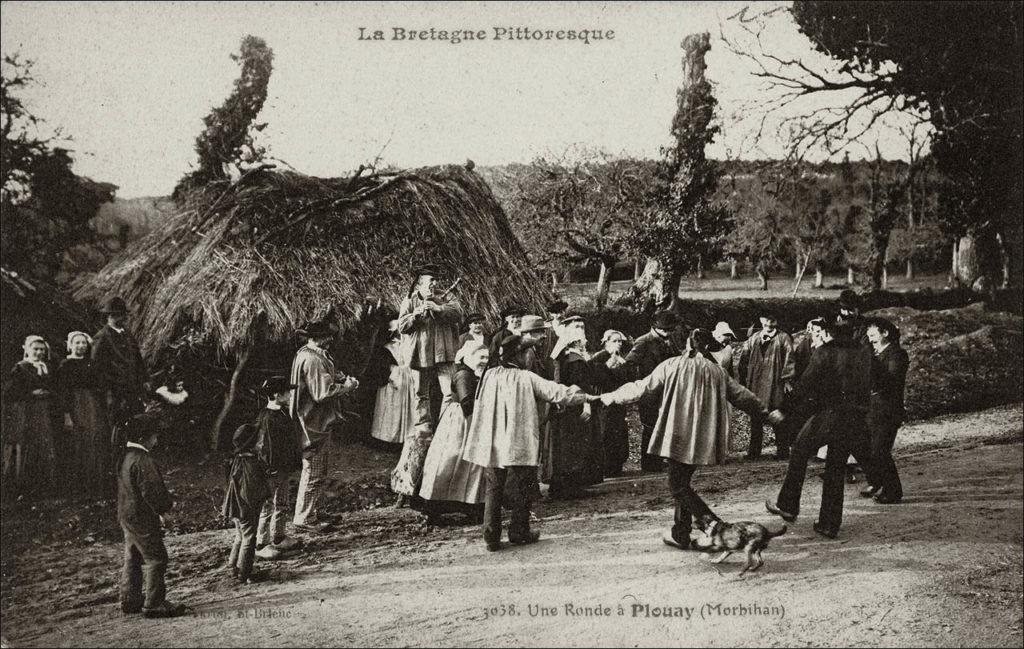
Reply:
x=430, y=322
x=316, y=406
x=649, y=351
x=118, y=362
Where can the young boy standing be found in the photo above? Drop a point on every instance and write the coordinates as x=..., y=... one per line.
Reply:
x=277, y=444
x=142, y=500
x=246, y=492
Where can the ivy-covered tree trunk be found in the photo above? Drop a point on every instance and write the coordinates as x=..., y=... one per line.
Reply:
x=648, y=292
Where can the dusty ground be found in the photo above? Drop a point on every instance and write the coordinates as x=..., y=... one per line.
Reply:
x=942, y=569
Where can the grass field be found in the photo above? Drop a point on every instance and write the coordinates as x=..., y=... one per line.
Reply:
x=719, y=286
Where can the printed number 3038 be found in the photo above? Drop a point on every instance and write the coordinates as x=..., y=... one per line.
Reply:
x=500, y=611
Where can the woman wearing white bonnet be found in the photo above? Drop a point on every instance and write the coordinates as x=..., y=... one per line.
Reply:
x=610, y=366
x=81, y=398
x=450, y=483
x=30, y=430
x=572, y=456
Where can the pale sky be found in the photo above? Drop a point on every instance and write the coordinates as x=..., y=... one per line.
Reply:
x=131, y=81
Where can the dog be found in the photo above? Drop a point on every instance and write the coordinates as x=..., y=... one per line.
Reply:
x=746, y=536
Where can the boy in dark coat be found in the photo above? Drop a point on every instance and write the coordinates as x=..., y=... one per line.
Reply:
x=247, y=489
x=277, y=445
x=142, y=500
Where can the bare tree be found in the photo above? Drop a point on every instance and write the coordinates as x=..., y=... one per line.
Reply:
x=960, y=75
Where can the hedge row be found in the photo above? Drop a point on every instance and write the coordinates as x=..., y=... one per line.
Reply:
x=793, y=313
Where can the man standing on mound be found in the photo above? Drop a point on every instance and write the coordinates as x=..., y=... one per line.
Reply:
x=432, y=325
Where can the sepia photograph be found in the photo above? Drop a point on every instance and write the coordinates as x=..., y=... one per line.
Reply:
x=495, y=323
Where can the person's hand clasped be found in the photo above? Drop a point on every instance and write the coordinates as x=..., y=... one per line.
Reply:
x=606, y=399
x=775, y=417
x=585, y=415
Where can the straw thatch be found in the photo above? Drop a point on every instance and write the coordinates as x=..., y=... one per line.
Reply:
x=249, y=263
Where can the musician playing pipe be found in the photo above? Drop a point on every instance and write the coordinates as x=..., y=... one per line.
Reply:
x=430, y=322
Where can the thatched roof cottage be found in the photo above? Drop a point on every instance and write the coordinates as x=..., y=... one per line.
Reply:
x=286, y=248
x=243, y=265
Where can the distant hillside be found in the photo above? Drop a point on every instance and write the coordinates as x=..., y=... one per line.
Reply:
x=140, y=215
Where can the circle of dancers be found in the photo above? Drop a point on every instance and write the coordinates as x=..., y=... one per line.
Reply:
x=484, y=420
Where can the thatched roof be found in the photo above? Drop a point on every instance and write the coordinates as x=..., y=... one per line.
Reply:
x=282, y=248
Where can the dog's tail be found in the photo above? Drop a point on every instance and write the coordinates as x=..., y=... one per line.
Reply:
x=782, y=530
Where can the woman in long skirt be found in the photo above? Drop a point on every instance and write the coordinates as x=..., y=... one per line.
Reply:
x=451, y=484
x=394, y=414
x=573, y=452
x=29, y=453
x=80, y=394
x=610, y=366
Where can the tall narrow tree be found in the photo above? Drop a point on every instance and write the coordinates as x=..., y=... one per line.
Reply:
x=686, y=230
x=228, y=128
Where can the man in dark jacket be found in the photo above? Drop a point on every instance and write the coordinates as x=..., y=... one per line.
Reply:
x=650, y=351
x=834, y=390
x=117, y=359
x=888, y=380
x=854, y=325
x=142, y=500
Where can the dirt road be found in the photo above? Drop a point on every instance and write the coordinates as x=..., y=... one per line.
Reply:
x=942, y=569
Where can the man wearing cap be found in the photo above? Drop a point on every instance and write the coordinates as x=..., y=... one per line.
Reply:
x=142, y=500
x=649, y=351
x=431, y=328
x=118, y=361
x=511, y=321
x=853, y=326
x=503, y=434
x=316, y=406
x=278, y=446
x=767, y=367
x=475, y=333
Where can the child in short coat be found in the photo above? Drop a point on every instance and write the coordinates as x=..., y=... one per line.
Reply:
x=243, y=501
x=142, y=500
x=278, y=446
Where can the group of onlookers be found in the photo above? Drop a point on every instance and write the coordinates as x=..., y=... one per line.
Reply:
x=61, y=418
x=527, y=405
